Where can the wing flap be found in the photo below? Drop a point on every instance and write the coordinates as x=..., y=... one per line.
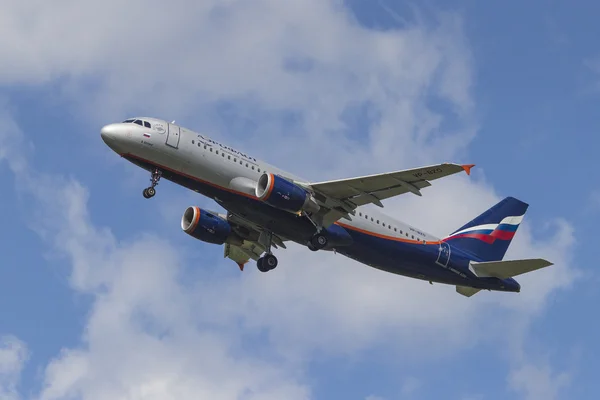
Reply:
x=509, y=268
x=466, y=291
x=242, y=254
x=366, y=198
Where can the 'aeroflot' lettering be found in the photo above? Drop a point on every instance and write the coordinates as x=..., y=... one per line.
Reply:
x=231, y=149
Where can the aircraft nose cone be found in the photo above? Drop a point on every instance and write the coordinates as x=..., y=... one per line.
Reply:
x=114, y=137
x=108, y=132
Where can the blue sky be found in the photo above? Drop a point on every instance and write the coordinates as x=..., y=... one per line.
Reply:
x=101, y=294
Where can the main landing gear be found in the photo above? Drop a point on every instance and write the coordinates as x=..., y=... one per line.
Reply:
x=317, y=242
x=268, y=261
x=150, y=191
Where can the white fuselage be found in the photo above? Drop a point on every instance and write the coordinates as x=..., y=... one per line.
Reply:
x=198, y=156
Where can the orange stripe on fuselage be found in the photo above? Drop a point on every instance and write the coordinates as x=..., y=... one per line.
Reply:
x=379, y=235
x=396, y=239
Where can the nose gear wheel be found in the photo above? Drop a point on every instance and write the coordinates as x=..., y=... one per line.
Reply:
x=154, y=178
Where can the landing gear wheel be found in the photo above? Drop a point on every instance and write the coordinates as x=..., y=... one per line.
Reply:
x=149, y=192
x=270, y=261
x=318, y=241
x=266, y=263
x=260, y=264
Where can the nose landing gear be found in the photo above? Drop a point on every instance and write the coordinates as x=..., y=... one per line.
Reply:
x=150, y=191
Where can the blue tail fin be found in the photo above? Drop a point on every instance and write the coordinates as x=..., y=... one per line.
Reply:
x=488, y=236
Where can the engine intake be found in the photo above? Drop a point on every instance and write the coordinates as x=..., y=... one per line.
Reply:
x=285, y=195
x=208, y=227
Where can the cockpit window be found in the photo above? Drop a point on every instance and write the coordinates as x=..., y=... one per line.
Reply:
x=139, y=122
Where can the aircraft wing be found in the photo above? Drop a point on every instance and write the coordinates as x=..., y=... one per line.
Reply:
x=344, y=195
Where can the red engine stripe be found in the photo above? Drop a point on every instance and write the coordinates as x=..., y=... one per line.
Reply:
x=270, y=189
x=196, y=219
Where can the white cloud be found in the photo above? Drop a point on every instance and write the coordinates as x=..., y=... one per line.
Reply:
x=141, y=340
x=13, y=355
x=185, y=58
x=538, y=382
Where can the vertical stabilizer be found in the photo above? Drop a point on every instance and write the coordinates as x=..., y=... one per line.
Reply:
x=488, y=236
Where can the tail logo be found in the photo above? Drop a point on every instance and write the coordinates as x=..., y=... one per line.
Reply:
x=489, y=233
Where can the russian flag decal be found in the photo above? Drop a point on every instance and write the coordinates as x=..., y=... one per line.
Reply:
x=147, y=135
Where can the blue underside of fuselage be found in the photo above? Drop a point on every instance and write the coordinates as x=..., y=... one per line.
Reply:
x=408, y=259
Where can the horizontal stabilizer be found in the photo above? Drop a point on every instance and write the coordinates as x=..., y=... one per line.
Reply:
x=507, y=269
x=466, y=291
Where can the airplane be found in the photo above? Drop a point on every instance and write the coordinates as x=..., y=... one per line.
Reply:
x=267, y=207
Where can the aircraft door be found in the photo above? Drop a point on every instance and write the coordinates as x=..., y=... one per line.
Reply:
x=444, y=255
x=173, y=136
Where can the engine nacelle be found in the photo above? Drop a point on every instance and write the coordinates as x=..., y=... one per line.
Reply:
x=208, y=227
x=285, y=195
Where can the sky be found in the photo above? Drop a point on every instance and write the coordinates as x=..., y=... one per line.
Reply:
x=103, y=296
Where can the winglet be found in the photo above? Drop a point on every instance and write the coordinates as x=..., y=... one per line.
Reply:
x=241, y=265
x=467, y=168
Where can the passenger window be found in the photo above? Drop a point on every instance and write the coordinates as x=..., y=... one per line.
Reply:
x=147, y=124
x=223, y=155
x=234, y=159
x=395, y=230
x=253, y=168
x=217, y=152
x=240, y=162
x=192, y=142
x=204, y=147
x=259, y=170
x=246, y=165
x=360, y=214
x=229, y=157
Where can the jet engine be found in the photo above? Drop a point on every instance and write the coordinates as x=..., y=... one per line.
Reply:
x=280, y=193
x=208, y=227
